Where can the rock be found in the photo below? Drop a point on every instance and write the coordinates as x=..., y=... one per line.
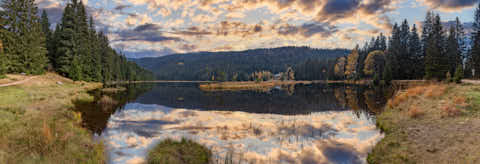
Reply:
x=59, y=83
x=23, y=73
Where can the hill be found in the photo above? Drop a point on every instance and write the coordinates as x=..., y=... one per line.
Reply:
x=204, y=65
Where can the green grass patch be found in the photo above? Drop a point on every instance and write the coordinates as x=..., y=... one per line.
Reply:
x=474, y=98
x=173, y=152
x=37, y=124
x=35, y=138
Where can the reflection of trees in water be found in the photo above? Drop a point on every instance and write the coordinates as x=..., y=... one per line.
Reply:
x=95, y=115
x=292, y=99
x=363, y=100
x=376, y=98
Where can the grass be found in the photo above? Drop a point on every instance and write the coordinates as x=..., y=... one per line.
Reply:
x=37, y=125
x=185, y=151
x=249, y=85
x=436, y=123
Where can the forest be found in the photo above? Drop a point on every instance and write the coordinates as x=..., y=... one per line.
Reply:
x=438, y=53
x=74, y=49
x=257, y=64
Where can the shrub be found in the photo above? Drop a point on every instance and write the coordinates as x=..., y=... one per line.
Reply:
x=451, y=110
x=415, y=112
x=435, y=91
x=172, y=152
x=457, y=78
x=460, y=101
x=415, y=91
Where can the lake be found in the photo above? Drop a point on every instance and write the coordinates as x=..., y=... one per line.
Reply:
x=315, y=123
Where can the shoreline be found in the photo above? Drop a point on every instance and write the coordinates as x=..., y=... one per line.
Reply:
x=439, y=123
x=41, y=125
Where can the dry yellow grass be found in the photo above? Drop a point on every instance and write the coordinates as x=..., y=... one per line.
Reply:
x=438, y=123
x=249, y=85
x=414, y=111
x=434, y=91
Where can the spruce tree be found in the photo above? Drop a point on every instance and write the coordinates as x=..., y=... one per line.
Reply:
x=436, y=60
x=394, y=52
x=5, y=36
x=65, y=42
x=453, y=50
x=26, y=51
x=96, y=56
x=3, y=61
x=49, y=42
x=475, y=52
x=387, y=74
x=461, y=37
x=417, y=59
x=82, y=48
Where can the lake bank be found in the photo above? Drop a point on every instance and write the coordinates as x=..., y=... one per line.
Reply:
x=38, y=124
x=436, y=123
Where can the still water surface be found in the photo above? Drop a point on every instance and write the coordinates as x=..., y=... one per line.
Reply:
x=313, y=123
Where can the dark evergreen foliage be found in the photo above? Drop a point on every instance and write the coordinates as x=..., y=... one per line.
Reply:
x=74, y=49
x=23, y=40
x=474, y=60
x=224, y=65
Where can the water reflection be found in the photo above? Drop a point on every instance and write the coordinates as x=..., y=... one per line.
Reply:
x=320, y=137
x=292, y=100
x=296, y=124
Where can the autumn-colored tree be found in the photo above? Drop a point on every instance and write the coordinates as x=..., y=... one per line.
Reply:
x=375, y=63
x=352, y=64
x=340, y=68
x=290, y=74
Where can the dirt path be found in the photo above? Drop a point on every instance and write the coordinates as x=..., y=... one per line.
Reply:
x=476, y=82
x=18, y=82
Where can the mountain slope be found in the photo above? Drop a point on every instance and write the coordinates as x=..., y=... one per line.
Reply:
x=204, y=65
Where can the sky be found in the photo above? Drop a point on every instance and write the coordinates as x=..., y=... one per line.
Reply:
x=150, y=28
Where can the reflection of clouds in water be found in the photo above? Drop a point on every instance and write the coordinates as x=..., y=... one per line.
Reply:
x=322, y=137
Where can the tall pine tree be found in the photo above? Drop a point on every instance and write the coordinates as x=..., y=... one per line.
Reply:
x=417, y=59
x=475, y=52
x=26, y=49
x=436, y=60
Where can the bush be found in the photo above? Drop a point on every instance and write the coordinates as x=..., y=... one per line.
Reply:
x=457, y=78
x=173, y=152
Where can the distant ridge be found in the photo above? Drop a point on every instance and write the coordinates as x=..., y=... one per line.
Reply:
x=202, y=65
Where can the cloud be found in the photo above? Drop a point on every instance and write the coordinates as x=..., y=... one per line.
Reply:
x=308, y=30
x=145, y=32
x=147, y=27
x=449, y=5
x=121, y=7
x=149, y=53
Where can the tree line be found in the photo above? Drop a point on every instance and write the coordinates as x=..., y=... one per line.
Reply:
x=250, y=65
x=439, y=53
x=74, y=49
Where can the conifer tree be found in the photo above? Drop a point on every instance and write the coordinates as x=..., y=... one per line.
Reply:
x=26, y=51
x=394, y=51
x=436, y=60
x=49, y=42
x=417, y=58
x=65, y=52
x=461, y=37
x=453, y=50
x=475, y=52
x=96, y=57
x=5, y=37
